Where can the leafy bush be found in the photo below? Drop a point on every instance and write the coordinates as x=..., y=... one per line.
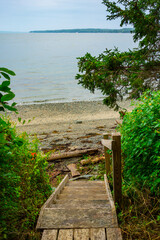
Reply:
x=141, y=143
x=24, y=182
x=5, y=91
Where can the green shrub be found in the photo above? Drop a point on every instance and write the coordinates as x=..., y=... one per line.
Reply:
x=5, y=91
x=141, y=143
x=24, y=183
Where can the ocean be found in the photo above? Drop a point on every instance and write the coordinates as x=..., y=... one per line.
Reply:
x=46, y=63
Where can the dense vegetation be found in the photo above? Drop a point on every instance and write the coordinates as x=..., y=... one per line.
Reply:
x=24, y=183
x=140, y=130
x=141, y=144
x=117, y=74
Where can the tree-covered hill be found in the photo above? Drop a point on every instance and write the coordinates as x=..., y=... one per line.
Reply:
x=85, y=30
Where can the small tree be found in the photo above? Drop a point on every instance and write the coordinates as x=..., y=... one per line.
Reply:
x=118, y=74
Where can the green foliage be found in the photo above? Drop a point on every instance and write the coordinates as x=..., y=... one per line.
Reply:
x=117, y=74
x=5, y=91
x=24, y=182
x=143, y=15
x=141, y=143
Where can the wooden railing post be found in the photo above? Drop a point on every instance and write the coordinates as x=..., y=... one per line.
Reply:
x=117, y=180
x=107, y=155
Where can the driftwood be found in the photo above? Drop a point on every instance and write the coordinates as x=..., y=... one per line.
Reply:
x=85, y=161
x=93, y=160
x=98, y=159
x=72, y=167
x=72, y=154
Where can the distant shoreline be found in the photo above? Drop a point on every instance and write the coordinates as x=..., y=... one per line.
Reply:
x=85, y=30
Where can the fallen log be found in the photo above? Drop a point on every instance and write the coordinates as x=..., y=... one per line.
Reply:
x=72, y=167
x=91, y=160
x=77, y=153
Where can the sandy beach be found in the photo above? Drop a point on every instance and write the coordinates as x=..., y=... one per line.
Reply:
x=74, y=125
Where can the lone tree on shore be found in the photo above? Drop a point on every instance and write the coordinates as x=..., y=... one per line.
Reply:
x=130, y=73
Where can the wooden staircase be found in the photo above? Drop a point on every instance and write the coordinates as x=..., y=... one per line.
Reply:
x=81, y=210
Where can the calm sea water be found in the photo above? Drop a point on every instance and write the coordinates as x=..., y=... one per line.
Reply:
x=45, y=63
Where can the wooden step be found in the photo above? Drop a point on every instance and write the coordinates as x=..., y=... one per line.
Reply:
x=98, y=233
x=74, y=202
x=85, y=183
x=50, y=234
x=69, y=218
x=84, y=190
x=83, y=234
x=83, y=196
x=95, y=204
x=65, y=234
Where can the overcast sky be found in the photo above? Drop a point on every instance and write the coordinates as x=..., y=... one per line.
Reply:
x=27, y=15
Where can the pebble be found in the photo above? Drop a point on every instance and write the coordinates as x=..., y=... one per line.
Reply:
x=78, y=122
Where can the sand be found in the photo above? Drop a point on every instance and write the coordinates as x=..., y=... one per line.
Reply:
x=75, y=125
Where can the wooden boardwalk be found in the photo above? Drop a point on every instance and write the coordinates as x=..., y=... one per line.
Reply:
x=80, y=210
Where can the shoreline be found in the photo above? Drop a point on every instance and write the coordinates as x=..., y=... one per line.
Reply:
x=60, y=100
x=50, y=115
x=68, y=126
x=46, y=102
x=67, y=111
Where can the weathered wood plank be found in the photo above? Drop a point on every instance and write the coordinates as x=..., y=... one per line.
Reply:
x=73, y=168
x=83, y=196
x=110, y=144
x=86, y=186
x=49, y=234
x=110, y=199
x=114, y=234
x=107, y=156
x=81, y=205
x=81, y=234
x=117, y=181
x=69, y=218
x=53, y=196
x=97, y=234
x=68, y=190
x=74, y=204
x=84, y=182
x=65, y=234
x=108, y=191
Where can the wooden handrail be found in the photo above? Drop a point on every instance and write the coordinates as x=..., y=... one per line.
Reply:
x=110, y=144
x=114, y=144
